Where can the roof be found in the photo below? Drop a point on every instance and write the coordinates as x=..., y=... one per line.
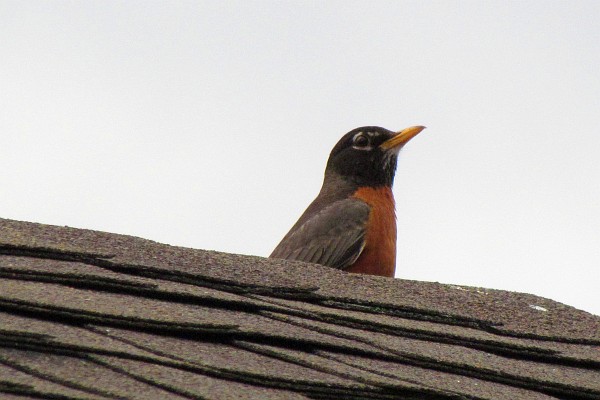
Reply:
x=93, y=315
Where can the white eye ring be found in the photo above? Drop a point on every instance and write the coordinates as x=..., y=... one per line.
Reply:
x=361, y=141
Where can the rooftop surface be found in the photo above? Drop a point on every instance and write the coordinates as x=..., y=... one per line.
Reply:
x=94, y=315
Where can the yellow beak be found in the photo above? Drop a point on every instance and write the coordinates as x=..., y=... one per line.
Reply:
x=401, y=137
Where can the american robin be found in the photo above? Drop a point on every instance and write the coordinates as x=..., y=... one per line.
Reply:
x=351, y=225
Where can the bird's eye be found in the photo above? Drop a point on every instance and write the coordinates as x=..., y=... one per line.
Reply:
x=360, y=140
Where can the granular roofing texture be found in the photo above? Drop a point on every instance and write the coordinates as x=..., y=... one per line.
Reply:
x=93, y=315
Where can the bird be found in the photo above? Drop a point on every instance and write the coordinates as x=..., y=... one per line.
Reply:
x=351, y=224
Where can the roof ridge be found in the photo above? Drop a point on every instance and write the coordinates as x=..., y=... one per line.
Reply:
x=122, y=315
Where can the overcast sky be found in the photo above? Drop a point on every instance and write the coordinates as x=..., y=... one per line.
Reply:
x=208, y=125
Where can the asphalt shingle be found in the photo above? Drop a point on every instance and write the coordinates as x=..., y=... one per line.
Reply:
x=94, y=315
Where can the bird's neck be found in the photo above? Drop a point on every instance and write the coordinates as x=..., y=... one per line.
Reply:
x=336, y=187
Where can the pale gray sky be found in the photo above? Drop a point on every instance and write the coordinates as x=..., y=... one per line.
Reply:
x=208, y=125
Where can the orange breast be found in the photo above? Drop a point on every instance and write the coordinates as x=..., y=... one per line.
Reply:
x=379, y=255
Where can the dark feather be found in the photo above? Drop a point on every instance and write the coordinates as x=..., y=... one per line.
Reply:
x=333, y=236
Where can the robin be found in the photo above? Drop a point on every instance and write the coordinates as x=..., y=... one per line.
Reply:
x=351, y=225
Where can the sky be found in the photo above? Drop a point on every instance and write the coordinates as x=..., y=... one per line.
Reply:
x=207, y=124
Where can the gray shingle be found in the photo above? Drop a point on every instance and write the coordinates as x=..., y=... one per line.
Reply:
x=93, y=315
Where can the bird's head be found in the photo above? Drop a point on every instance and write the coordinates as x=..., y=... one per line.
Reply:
x=368, y=156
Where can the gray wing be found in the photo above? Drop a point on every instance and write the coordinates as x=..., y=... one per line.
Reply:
x=334, y=236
